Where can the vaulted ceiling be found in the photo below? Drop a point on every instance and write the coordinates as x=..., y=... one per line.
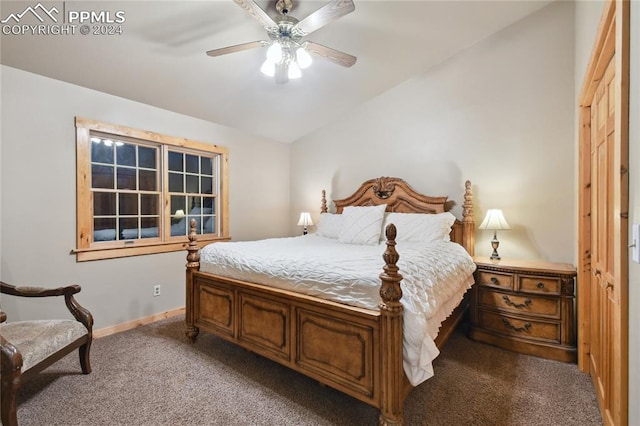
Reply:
x=159, y=59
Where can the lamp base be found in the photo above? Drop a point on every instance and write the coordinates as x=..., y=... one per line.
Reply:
x=495, y=243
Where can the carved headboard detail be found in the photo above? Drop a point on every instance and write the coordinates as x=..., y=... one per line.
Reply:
x=400, y=197
x=396, y=194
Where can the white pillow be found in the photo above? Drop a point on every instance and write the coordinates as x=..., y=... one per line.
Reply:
x=329, y=225
x=420, y=227
x=361, y=225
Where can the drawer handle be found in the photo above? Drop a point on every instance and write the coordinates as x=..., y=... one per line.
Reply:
x=540, y=285
x=508, y=302
x=526, y=327
x=494, y=280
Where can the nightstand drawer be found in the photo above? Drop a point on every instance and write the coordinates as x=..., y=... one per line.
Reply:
x=495, y=279
x=525, y=328
x=539, y=285
x=521, y=304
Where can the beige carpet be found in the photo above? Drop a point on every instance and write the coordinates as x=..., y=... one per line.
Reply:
x=152, y=376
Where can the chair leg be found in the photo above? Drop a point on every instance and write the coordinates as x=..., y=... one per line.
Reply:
x=85, y=361
x=9, y=398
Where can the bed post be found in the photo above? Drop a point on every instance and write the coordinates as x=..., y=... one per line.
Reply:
x=391, y=310
x=323, y=206
x=193, y=264
x=468, y=224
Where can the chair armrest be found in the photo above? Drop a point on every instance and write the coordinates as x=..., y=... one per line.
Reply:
x=26, y=291
x=10, y=358
x=79, y=313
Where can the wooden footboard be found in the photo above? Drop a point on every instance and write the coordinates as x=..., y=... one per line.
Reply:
x=357, y=351
x=354, y=350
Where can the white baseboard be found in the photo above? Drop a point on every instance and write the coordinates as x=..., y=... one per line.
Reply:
x=130, y=325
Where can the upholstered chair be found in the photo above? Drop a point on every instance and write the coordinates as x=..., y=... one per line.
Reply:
x=28, y=347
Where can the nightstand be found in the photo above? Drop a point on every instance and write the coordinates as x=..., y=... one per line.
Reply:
x=525, y=306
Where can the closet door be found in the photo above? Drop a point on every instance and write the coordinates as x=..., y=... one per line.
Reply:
x=603, y=209
x=604, y=294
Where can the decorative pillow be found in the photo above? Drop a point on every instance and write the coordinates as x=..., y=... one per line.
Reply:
x=420, y=227
x=361, y=225
x=329, y=225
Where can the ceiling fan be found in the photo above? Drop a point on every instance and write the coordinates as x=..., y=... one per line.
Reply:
x=287, y=54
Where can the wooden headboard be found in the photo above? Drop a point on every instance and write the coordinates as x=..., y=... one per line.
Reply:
x=400, y=197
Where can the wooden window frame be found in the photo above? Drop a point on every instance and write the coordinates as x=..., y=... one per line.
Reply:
x=86, y=249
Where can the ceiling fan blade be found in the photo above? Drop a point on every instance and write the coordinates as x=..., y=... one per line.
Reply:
x=321, y=17
x=236, y=48
x=252, y=8
x=333, y=55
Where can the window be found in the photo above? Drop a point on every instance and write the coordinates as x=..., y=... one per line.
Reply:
x=137, y=191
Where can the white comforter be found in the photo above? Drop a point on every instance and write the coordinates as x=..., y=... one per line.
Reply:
x=435, y=277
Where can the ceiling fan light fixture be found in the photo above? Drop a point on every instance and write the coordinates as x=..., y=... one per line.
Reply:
x=286, y=54
x=294, y=71
x=274, y=53
x=303, y=58
x=268, y=68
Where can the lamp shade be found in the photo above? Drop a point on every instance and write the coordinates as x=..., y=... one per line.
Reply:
x=305, y=219
x=179, y=214
x=494, y=219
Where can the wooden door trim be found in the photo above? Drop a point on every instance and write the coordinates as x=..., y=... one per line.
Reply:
x=612, y=38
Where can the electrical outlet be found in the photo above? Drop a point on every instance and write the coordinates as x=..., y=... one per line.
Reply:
x=156, y=290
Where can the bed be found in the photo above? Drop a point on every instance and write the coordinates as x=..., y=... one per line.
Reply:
x=349, y=344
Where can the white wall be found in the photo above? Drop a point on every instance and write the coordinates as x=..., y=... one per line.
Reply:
x=499, y=114
x=39, y=198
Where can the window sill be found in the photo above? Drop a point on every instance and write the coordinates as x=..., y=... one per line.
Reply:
x=101, y=253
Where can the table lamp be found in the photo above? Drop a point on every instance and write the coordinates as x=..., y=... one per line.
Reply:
x=494, y=220
x=305, y=221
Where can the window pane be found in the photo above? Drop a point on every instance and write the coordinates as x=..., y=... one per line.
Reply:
x=178, y=202
x=128, y=204
x=193, y=184
x=209, y=224
x=206, y=185
x=149, y=227
x=125, y=154
x=149, y=204
x=126, y=178
x=192, y=164
x=104, y=223
x=175, y=182
x=104, y=204
x=175, y=161
x=206, y=166
x=104, y=229
x=101, y=153
x=147, y=180
x=179, y=227
x=194, y=205
x=146, y=157
x=129, y=228
x=101, y=176
x=209, y=205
